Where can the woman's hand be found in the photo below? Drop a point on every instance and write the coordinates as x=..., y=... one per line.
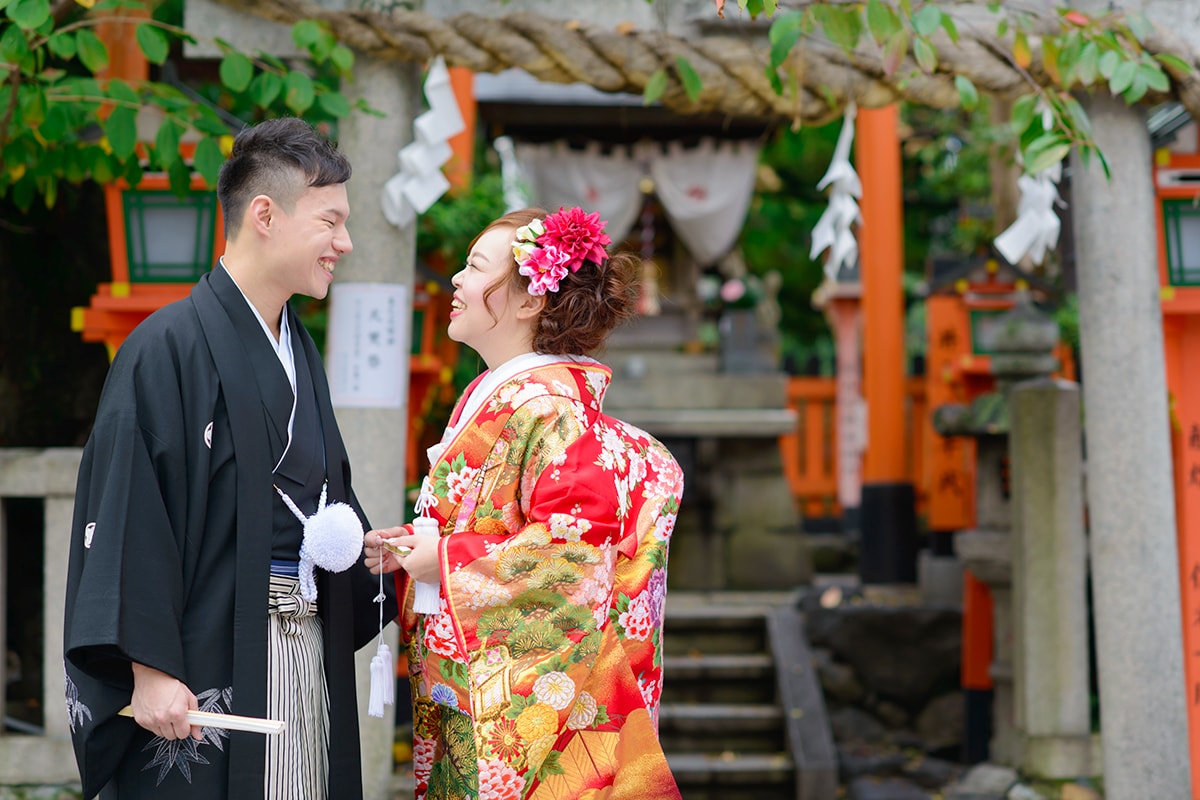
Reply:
x=422, y=563
x=377, y=558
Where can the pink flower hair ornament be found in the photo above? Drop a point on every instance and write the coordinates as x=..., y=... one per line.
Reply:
x=547, y=249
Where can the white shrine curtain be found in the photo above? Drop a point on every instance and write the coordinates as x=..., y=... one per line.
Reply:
x=705, y=190
x=608, y=183
x=706, y=193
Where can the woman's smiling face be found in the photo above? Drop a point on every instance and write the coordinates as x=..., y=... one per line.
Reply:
x=486, y=322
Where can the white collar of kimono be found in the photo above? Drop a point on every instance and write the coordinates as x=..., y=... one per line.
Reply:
x=282, y=348
x=492, y=381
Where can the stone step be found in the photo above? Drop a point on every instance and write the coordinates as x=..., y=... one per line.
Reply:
x=731, y=769
x=721, y=678
x=719, y=718
x=724, y=666
x=695, y=629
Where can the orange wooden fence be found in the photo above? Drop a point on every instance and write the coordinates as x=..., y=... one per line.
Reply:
x=810, y=452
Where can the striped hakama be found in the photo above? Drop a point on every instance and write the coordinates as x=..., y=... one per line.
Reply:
x=297, y=766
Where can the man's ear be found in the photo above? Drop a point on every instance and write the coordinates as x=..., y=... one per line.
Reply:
x=260, y=213
x=530, y=306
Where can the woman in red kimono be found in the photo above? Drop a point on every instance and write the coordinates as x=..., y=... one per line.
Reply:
x=539, y=673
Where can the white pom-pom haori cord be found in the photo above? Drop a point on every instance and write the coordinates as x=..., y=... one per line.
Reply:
x=333, y=540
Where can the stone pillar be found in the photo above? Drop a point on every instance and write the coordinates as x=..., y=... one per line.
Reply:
x=842, y=304
x=376, y=437
x=1131, y=503
x=986, y=550
x=1021, y=344
x=1050, y=614
x=62, y=467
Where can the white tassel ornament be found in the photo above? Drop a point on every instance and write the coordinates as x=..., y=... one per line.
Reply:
x=382, y=679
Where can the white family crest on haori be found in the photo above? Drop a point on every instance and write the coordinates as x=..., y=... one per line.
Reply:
x=208, y=436
x=832, y=230
x=333, y=540
x=89, y=531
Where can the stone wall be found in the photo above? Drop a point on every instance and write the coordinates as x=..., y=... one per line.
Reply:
x=891, y=680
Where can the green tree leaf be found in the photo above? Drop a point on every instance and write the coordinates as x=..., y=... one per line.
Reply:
x=31, y=104
x=1156, y=80
x=208, y=159
x=236, y=70
x=1088, y=66
x=306, y=33
x=121, y=91
x=967, y=92
x=689, y=78
x=206, y=121
x=1022, y=112
x=950, y=28
x=299, y=92
x=882, y=21
x=895, y=51
x=29, y=14
x=265, y=88
x=1175, y=62
x=56, y=124
x=166, y=142
x=100, y=166
x=1123, y=77
x=121, y=130
x=14, y=47
x=925, y=54
x=842, y=26
x=343, y=59
x=334, y=104
x=62, y=45
x=179, y=177
x=1045, y=151
x=1140, y=25
x=153, y=42
x=655, y=86
x=785, y=31
x=1108, y=64
x=1137, y=89
x=1079, y=118
x=92, y=51
x=927, y=20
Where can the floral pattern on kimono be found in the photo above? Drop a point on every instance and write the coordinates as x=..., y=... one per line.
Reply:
x=541, y=675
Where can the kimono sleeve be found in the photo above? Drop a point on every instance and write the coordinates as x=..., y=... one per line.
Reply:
x=540, y=476
x=557, y=528
x=125, y=597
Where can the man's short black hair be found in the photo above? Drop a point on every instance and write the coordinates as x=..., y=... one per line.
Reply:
x=279, y=158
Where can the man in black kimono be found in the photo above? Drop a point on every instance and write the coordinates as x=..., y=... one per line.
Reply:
x=180, y=535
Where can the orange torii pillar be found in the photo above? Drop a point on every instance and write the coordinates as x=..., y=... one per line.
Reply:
x=461, y=167
x=889, y=526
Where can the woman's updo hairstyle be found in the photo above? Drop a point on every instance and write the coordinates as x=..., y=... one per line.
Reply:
x=589, y=304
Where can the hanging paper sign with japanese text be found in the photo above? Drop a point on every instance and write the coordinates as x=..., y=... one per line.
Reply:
x=367, y=348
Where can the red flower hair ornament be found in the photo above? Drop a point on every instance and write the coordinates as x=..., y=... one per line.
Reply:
x=547, y=249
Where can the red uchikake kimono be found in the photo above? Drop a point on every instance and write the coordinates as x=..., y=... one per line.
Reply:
x=541, y=675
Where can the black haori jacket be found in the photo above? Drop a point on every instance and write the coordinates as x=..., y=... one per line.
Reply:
x=171, y=545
